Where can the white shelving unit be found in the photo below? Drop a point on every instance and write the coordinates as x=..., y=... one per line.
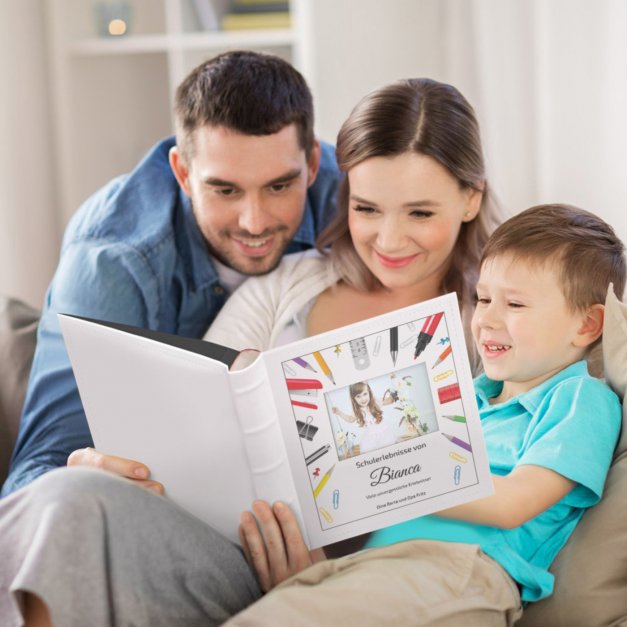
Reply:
x=113, y=95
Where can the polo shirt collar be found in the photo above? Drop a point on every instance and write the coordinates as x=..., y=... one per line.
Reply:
x=487, y=388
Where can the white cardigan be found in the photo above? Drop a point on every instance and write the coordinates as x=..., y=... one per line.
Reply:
x=261, y=309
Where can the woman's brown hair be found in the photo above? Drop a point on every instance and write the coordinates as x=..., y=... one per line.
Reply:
x=425, y=117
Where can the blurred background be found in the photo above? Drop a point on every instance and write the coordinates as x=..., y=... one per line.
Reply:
x=87, y=87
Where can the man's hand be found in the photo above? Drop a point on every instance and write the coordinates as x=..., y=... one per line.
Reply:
x=121, y=466
x=273, y=544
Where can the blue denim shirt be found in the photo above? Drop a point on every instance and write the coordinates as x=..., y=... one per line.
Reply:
x=134, y=254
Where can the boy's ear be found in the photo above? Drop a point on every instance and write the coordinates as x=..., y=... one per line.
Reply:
x=592, y=326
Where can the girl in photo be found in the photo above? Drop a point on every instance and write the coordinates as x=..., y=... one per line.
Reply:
x=369, y=416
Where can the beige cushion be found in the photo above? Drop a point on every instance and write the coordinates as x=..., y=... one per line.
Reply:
x=18, y=328
x=591, y=570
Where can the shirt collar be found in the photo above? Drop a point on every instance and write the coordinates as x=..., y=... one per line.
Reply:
x=486, y=388
x=306, y=233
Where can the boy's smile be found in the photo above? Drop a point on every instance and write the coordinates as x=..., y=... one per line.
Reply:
x=523, y=327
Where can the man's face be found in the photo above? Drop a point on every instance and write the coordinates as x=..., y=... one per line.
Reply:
x=248, y=193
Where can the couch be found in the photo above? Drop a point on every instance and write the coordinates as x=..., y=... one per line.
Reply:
x=591, y=570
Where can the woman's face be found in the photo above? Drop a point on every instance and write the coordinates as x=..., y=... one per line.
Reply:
x=363, y=398
x=404, y=216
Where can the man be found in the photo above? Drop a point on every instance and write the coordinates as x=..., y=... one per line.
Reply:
x=162, y=247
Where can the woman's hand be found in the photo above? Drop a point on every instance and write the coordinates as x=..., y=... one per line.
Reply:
x=128, y=468
x=273, y=544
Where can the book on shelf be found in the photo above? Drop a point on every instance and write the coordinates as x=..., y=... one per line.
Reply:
x=206, y=15
x=265, y=20
x=266, y=7
x=358, y=428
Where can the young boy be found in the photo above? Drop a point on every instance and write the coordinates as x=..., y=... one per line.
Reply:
x=550, y=431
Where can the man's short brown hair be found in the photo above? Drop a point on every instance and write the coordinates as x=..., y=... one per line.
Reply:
x=248, y=92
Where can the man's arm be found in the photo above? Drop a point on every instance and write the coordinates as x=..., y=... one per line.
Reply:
x=94, y=279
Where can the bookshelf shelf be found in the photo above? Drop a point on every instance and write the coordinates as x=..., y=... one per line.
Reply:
x=188, y=41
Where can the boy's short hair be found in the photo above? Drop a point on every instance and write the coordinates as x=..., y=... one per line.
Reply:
x=582, y=247
x=249, y=92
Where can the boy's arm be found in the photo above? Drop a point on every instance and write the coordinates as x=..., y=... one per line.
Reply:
x=523, y=494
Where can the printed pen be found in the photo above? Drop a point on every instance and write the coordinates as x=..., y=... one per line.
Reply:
x=394, y=344
x=317, y=454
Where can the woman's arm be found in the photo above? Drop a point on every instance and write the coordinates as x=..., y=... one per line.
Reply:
x=523, y=494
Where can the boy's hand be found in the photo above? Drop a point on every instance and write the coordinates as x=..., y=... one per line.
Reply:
x=128, y=468
x=273, y=544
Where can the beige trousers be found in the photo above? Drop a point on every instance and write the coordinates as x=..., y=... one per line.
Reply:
x=420, y=582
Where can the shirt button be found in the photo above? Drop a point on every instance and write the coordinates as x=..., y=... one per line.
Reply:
x=218, y=289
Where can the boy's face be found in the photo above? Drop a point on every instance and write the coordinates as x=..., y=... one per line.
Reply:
x=248, y=192
x=522, y=325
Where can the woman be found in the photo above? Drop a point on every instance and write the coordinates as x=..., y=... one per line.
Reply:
x=414, y=213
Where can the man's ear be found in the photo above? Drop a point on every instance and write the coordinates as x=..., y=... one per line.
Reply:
x=179, y=168
x=313, y=163
x=592, y=326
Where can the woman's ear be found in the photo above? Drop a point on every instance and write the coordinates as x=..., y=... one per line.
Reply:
x=473, y=202
x=592, y=326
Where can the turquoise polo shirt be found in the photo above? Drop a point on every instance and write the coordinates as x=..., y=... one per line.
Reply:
x=569, y=424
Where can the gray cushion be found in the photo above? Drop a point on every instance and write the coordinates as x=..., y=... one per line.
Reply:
x=591, y=570
x=18, y=329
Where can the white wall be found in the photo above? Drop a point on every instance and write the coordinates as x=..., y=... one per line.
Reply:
x=548, y=80
x=29, y=233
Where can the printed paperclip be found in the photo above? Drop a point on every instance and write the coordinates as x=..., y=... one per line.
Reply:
x=443, y=375
x=377, y=346
x=457, y=473
x=289, y=370
x=336, y=498
x=457, y=457
x=411, y=326
x=409, y=341
x=325, y=514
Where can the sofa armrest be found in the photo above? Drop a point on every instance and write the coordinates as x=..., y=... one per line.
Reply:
x=18, y=331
